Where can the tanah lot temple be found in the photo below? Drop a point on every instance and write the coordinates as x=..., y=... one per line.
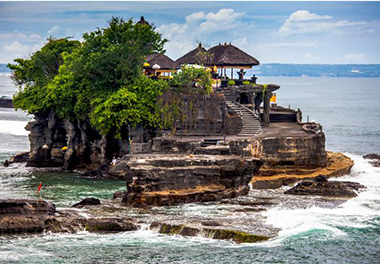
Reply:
x=242, y=96
x=222, y=142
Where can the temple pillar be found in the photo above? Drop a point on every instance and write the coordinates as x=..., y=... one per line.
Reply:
x=257, y=101
x=266, y=120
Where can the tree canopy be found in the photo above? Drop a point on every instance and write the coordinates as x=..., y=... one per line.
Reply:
x=84, y=80
x=100, y=79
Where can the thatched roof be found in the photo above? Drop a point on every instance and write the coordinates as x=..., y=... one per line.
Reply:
x=229, y=55
x=162, y=60
x=143, y=21
x=191, y=57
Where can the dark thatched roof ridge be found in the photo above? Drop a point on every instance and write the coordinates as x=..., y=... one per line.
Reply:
x=164, y=61
x=143, y=21
x=229, y=55
x=191, y=57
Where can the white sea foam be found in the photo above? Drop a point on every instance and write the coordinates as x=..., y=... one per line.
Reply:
x=13, y=127
x=354, y=213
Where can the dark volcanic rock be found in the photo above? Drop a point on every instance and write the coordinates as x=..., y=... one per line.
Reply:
x=20, y=157
x=27, y=216
x=87, y=201
x=110, y=225
x=21, y=224
x=65, y=222
x=119, y=194
x=26, y=207
x=19, y=216
x=6, y=103
x=172, y=179
x=211, y=223
x=213, y=233
x=322, y=187
x=375, y=159
x=372, y=156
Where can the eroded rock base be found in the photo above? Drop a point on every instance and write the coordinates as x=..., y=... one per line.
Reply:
x=169, y=179
x=322, y=187
x=270, y=177
x=174, y=197
x=207, y=232
x=30, y=216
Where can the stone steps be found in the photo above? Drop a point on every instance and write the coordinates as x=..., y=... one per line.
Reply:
x=251, y=123
x=209, y=142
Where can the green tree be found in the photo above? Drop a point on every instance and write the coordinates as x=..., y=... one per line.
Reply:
x=98, y=80
x=132, y=105
x=109, y=59
x=191, y=77
x=34, y=74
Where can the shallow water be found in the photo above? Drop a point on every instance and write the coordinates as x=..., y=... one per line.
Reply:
x=312, y=230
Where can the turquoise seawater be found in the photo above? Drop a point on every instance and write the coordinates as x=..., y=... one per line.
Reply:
x=348, y=109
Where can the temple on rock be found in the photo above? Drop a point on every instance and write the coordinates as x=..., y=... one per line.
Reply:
x=210, y=152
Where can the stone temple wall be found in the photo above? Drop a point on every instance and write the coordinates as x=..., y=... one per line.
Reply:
x=203, y=116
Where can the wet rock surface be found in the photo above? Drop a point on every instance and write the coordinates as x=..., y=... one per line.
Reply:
x=6, y=103
x=172, y=179
x=208, y=232
x=322, y=187
x=29, y=216
x=20, y=157
x=22, y=215
x=375, y=159
x=110, y=225
x=87, y=201
x=26, y=207
x=271, y=177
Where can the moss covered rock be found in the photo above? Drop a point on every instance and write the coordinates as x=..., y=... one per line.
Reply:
x=226, y=234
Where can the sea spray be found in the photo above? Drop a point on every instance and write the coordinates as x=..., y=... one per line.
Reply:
x=354, y=213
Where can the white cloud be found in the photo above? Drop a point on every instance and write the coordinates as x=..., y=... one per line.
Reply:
x=240, y=42
x=200, y=26
x=357, y=58
x=222, y=20
x=304, y=15
x=195, y=16
x=15, y=46
x=53, y=30
x=304, y=22
x=291, y=44
x=20, y=48
x=35, y=36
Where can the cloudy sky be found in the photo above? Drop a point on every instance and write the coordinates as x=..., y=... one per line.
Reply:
x=281, y=32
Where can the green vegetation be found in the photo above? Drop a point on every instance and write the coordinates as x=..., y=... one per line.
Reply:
x=234, y=235
x=190, y=77
x=265, y=86
x=231, y=83
x=246, y=83
x=34, y=74
x=100, y=80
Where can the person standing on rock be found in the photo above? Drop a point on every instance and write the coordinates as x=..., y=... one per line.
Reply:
x=114, y=160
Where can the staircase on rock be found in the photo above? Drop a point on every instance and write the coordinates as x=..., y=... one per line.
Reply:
x=251, y=123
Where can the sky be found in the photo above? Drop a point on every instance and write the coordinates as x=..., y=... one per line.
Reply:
x=272, y=32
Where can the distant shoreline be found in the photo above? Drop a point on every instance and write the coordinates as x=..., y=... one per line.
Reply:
x=300, y=70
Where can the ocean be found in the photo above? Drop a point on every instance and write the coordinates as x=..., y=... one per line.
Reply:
x=347, y=108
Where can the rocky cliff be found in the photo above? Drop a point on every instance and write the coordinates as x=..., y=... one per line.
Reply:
x=57, y=142
x=171, y=179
